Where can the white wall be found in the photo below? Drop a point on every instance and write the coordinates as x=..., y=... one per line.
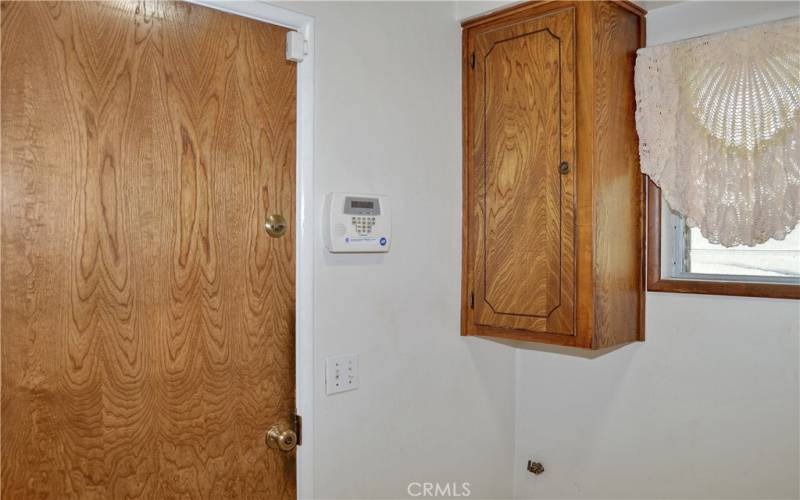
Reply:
x=432, y=406
x=473, y=8
x=707, y=407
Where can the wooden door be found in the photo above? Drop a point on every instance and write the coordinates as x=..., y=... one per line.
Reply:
x=147, y=318
x=520, y=204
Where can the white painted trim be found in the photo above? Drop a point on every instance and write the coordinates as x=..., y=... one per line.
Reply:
x=305, y=223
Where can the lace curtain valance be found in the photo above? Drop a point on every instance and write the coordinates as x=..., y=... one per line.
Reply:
x=718, y=120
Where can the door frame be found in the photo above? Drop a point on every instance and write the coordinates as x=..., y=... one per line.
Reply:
x=304, y=220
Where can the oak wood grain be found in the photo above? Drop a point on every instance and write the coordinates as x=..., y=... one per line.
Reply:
x=606, y=226
x=619, y=196
x=147, y=319
x=523, y=189
x=523, y=210
x=584, y=214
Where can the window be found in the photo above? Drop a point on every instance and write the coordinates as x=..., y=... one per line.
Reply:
x=773, y=261
x=680, y=259
x=694, y=257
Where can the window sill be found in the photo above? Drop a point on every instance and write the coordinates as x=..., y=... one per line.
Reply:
x=738, y=288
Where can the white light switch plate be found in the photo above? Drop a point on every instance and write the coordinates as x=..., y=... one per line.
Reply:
x=341, y=373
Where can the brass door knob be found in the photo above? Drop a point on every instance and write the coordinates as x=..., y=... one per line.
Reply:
x=281, y=440
x=276, y=225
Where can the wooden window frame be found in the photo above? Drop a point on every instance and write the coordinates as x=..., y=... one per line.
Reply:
x=657, y=283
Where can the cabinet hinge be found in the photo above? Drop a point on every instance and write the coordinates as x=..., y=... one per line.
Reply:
x=298, y=428
x=472, y=300
x=472, y=60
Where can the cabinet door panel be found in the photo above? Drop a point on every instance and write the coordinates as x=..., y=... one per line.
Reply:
x=523, y=222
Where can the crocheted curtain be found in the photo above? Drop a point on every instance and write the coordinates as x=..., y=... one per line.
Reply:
x=718, y=120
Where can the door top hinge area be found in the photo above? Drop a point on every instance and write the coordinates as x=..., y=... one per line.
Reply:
x=296, y=46
x=472, y=60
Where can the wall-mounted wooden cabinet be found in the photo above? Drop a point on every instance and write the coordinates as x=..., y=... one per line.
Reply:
x=553, y=196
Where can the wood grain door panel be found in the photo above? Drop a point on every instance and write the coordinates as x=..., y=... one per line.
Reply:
x=523, y=223
x=147, y=318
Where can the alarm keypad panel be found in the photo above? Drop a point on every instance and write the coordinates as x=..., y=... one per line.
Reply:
x=357, y=223
x=363, y=224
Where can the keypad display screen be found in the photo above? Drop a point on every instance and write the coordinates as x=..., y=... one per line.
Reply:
x=361, y=206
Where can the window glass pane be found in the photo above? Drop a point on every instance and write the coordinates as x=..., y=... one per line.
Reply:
x=773, y=258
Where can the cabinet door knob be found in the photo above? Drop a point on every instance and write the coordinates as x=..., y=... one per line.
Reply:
x=563, y=168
